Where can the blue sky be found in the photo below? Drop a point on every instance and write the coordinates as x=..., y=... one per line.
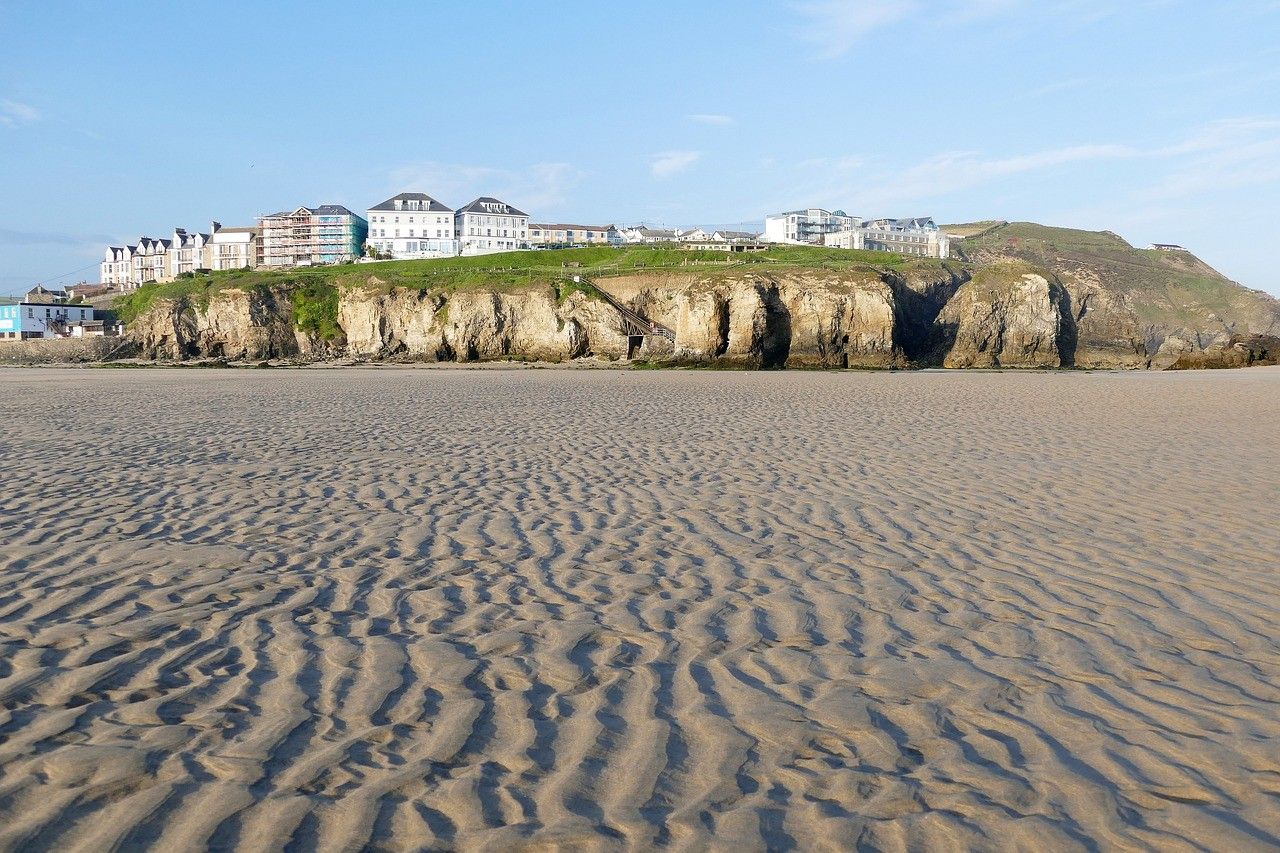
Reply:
x=1159, y=120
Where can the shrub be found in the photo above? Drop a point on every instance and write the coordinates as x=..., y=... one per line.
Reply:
x=315, y=310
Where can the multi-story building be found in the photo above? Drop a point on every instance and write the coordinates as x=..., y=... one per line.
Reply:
x=412, y=225
x=117, y=266
x=150, y=261
x=560, y=234
x=306, y=236
x=919, y=236
x=155, y=259
x=809, y=226
x=815, y=226
x=233, y=248
x=188, y=253
x=487, y=225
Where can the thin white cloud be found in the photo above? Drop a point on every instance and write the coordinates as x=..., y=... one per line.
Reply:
x=536, y=187
x=668, y=163
x=952, y=172
x=1199, y=166
x=835, y=26
x=9, y=237
x=711, y=118
x=14, y=114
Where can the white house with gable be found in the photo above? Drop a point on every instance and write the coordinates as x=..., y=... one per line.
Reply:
x=412, y=225
x=487, y=225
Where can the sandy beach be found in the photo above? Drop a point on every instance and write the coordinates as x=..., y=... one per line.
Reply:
x=491, y=609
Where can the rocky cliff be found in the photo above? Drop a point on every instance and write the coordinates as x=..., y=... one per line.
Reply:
x=1007, y=316
x=850, y=318
x=1021, y=296
x=234, y=324
x=1126, y=307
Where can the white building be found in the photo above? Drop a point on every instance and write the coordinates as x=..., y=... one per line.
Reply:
x=853, y=238
x=233, y=248
x=640, y=234
x=150, y=261
x=27, y=320
x=117, y=266
x=919, y=236
x=412, y=225
x=692, y=235
x=487, y=225
x=807, y=226
x=188, y=253
x=563, y=234
x=155, y=259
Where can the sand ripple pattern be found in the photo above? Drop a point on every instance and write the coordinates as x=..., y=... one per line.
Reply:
x=486, y=609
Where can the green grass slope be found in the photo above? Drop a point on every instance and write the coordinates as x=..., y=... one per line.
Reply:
x=1167, y=290
x=505, y=271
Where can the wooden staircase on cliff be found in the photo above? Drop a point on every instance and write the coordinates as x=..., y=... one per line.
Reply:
x=636, y=325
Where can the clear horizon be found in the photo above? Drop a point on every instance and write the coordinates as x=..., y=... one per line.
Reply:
x=1157, y=121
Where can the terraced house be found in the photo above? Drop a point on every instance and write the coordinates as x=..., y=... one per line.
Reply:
x=188, y=253
x=562, y=234
x=412, y=225
x=308, y=236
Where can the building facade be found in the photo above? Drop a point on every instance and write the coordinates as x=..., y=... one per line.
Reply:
x=561, y=235
x=233, y=248
x=641, y=234
x=731, y=246
x=117, y=266
x=154, y=259
x=920, y=237
x=310, y=236
x=150, y=261
x=188, y=253
x=28, y=320
x=487, y=225
x=809, y=226
x=412, y=225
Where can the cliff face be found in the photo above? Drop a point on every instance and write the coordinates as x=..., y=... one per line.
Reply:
x=1130, y=307
x=1007, y=316
x=823, y=319
x=1000, y=312
x=235, y=324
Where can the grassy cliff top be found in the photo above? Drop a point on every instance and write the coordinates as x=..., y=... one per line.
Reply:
x=515, y=270
x=1170, y=289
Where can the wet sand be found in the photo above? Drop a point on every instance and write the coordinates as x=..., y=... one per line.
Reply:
x=412, y=609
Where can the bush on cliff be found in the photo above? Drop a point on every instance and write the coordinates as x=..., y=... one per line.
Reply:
x=315, y=309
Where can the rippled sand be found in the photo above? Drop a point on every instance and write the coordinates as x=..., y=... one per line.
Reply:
x=496, y=608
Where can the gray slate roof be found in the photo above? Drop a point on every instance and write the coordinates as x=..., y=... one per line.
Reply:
x=432, y=205
x=334, y=210
x=477, y=206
